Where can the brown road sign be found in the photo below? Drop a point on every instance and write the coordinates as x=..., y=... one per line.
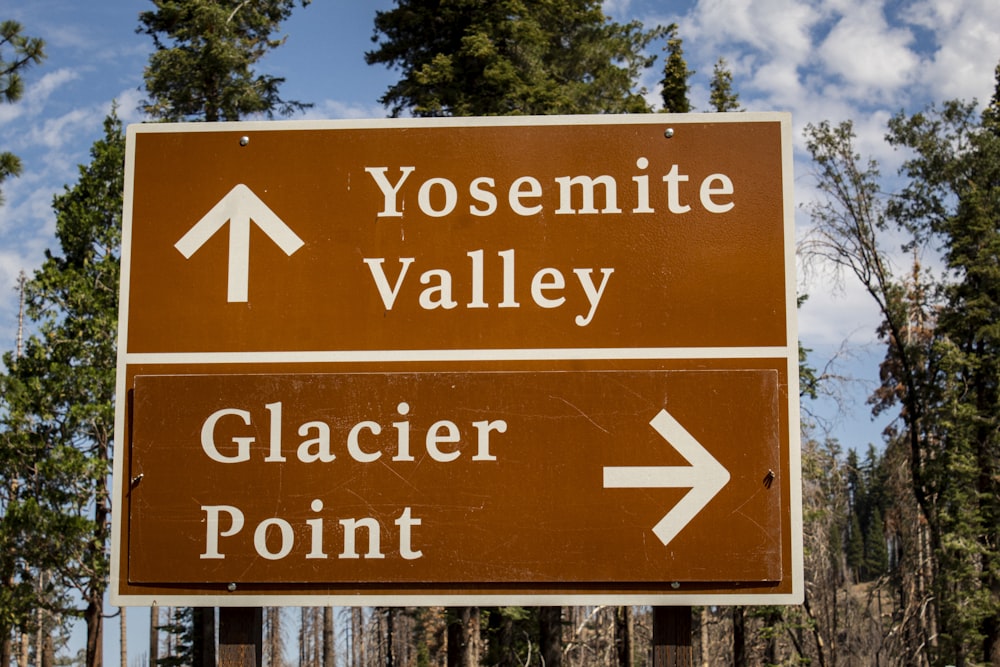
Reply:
x=467, y=359
x=459, y=477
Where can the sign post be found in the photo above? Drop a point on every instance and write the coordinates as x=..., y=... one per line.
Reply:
x=461, y=361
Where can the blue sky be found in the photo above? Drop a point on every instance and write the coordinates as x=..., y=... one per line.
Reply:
x=819, y=59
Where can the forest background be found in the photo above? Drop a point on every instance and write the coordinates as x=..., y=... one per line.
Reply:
x=822, y=61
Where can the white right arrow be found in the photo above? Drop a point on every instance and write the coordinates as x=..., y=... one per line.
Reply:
x=705, y=477
x=238, y=208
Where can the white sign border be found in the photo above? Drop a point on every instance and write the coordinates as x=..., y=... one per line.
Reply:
x=788, y=352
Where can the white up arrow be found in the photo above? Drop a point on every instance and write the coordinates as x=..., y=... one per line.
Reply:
x=238, y=208
x=705, y=477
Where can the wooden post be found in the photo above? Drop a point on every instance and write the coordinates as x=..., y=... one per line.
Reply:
x=672, y=637
x=241, y=636
x=203, y=646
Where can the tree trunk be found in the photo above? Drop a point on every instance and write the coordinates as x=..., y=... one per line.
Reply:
x=25, y=646
x=303, y=630
x=470, y=622
x=991, y=629
x=154, y=635
x=40, y=631
x=123, y=636
x=463, y=638
x=94, y=618
x=705, y=639
x=94, y=592
x=739, y=638
x=357, y=637
x=329, y=648
x=48, y=651
x=624, y=629
x=550, y=635
x=456, y=639
x=772, y=619
x=5, y=646
x=390, y=656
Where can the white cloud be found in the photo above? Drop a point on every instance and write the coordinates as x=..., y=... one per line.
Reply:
x=771, y=27
x=616, y=7
x=966, y=46
x=872, y=58
x=842, y=58
x=337, y=109
x=765, y=43
x=830, y=317
x=128, y=106
x=36, y=94
x=56, y=132
x=778, y=82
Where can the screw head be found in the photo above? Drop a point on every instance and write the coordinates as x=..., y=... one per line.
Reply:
x=244, y=140
x=668, y=133
x=231, y=587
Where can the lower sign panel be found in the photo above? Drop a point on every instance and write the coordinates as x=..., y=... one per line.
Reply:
x=452, y=479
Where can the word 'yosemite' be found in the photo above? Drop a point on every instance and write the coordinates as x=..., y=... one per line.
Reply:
x=438, y=196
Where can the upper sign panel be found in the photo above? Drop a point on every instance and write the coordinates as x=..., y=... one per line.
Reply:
x=531, y=233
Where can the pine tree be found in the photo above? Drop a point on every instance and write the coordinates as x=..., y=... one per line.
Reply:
x=202, y=68
x=485, y=57
x=991, y=117
x=61, y=390
x=856, y=484
x=721, y=95
x=940, y=370
x=856, y=548
x=675, y=75
x=180, y=638
x=954, y=199
x=26, y=51
x=876, y=552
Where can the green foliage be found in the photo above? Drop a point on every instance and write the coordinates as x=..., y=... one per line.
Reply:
x=480, y=57
x=991, y=117
x=953, y=199
x=876, y=550
x=721, y=95
x=675, y=75
x=202, y=67
x=510, y=633
x=180, y=626
x=942, y=364
x=58, y=397
x=808, y=380
x=26, y=51
x=855, y=547
x=866, y=552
